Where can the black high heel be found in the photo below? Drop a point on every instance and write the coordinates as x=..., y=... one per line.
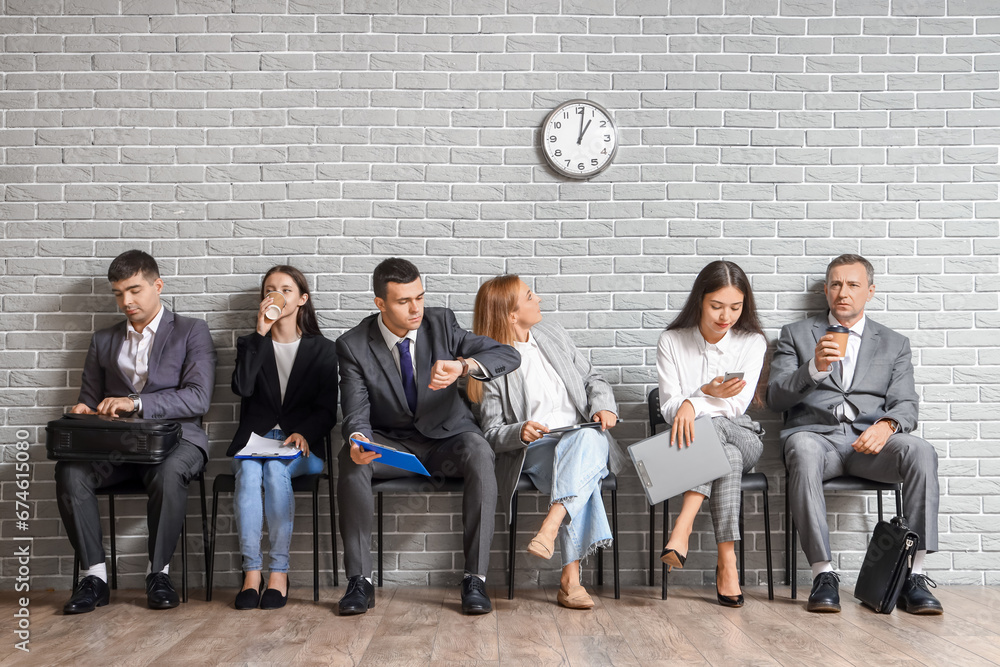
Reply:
x=272, y=599
x=726, y=600
x=672, y=558
x=249, y=598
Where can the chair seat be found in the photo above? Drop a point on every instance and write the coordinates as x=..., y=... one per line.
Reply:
x=226, y=483
x=850, y=483
x=127, y=487
x=418, y=484
x=754, y=481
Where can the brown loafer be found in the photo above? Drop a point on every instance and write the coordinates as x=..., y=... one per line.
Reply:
x=539, y=546
x=575, y=598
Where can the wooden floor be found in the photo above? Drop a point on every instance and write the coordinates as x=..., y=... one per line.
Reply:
x=424, y=626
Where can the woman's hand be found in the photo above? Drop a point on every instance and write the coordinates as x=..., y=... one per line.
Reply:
x=607, y=418
x=719, y=389
x=263, y=324
x=298, y=442
x=532, y=431
x=682, y=430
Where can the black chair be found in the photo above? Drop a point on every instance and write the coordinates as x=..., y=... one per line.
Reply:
x=411, y=484
x=226, y=483
x=752, y=481
x=136, y=488
x=609, y=483
x=843, y=483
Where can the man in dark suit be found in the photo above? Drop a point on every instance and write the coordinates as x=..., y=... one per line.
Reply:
x=850, y=412
x=154, y=365
x=397, y=385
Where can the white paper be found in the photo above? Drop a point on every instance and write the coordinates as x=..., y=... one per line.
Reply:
x=260, y=447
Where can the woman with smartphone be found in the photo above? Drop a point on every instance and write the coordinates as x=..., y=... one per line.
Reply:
x=708, y=363
x=548, y=420
x=286, y=376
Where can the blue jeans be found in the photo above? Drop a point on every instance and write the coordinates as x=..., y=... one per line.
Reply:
x=274, y=478
x=570, y=469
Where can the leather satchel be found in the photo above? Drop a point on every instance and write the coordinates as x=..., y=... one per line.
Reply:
x=99, y=438
x=887, y=565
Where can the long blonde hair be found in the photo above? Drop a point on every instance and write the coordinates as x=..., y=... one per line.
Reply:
x=495, y=301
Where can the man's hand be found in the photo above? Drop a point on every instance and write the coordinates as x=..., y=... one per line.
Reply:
x=443, y=373
x=607, y=418
x=81, y=409
x=298, y=442
x=682, y=430
x=873, y=439
x=362, y=456
x=112, y=406
x=717, y=388
x=827, y=352
x=532, y=431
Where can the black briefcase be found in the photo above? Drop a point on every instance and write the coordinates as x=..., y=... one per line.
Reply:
x=101, y=438
x=887, y=565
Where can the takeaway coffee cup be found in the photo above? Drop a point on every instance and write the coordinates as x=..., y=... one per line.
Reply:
x=273, y=311
x=840, y=336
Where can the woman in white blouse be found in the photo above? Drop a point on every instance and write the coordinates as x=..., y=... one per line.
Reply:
x=717, y=332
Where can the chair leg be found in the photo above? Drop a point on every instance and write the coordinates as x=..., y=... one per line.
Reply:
x=767, y=546
x=614, y=541
x=663, y=566
x=380, y=540
x=879, y=494
x=795, y=557
x=600, y=566
x=743, y=573
x=899, y=502
x=315, y=495
x=652, y=544
x=511, y=537
x=114, y=550
x=76, y=569
x=204, y=522
x=333, y=531
x=788, y=537
x=211, y=547
x=184, y=560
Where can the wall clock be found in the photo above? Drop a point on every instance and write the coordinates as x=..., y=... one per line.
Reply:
x=579, y=139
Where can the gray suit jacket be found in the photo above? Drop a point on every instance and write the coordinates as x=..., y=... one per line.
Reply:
x=371, y=389
x=503, y=410
x=181, y=373
x=882, y=385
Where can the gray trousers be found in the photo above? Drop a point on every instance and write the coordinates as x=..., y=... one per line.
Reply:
x=743, y=447
x=466, y=455
x=167, y=486
x=812, y=458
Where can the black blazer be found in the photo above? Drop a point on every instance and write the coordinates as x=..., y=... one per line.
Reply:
x=310, y=405
x=372, y=390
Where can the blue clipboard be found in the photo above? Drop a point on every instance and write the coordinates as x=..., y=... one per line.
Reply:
x=394, y=457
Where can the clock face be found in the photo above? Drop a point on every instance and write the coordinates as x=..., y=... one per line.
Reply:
x=579, y=139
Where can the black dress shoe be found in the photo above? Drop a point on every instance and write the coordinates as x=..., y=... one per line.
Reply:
x=273, y=599
x=825, y=594
x=359, y=598
x=248, y=598
x=160, y=593
x=474, y=597
x=92, y=592
x=916, y=598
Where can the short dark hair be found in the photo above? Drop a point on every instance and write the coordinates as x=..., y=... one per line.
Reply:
x=132, y=262
x=393, y=270
x=712, y=278
x=849, y=258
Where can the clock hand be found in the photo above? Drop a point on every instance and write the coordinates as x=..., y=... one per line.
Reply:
x=581, y=127
x=583, y=131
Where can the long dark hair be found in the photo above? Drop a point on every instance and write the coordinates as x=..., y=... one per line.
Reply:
x=307, y=313
x=713, y=277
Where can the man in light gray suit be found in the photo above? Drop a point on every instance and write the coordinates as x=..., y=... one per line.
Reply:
x=154, y=365
x=850, y=412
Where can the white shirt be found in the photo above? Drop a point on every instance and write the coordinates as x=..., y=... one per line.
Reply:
x=847, y=365
x=685, y=361
x=133, y=358
x=284, y=358
x=547, y=398
x=392, y=341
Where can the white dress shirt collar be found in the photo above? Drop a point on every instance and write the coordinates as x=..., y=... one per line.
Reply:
x=858, y=328
x=392, y=339
x=151, y=327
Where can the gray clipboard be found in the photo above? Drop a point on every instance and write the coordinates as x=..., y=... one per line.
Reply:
x=665, y=471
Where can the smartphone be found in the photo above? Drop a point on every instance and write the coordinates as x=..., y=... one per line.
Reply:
x=729, y=376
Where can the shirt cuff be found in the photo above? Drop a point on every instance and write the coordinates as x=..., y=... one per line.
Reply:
x=480, y=373
x=816, y=374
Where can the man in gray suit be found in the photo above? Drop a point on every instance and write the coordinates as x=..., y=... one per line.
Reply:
x=397, y=385
x=850, y=412
x=154, y=365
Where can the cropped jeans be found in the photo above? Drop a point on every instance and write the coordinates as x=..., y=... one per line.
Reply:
x=274, y=478
x=570, y=469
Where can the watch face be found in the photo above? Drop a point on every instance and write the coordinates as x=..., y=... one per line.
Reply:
x=579, y=139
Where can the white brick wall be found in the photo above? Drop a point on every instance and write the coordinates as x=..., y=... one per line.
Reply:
x=225, y=136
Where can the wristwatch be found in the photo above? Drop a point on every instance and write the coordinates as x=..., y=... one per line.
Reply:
x=893, y=424
x=136, y=402
x=465, y=367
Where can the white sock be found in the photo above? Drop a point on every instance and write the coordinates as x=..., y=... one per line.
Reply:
x=149, y=568
x=918, y=562
x=100, y=571
x=820, y=567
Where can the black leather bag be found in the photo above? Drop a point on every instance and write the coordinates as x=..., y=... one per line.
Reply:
x=887, y=565
x=100, y=438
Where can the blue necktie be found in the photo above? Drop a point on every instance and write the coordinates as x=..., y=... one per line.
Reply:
x=406, y=370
